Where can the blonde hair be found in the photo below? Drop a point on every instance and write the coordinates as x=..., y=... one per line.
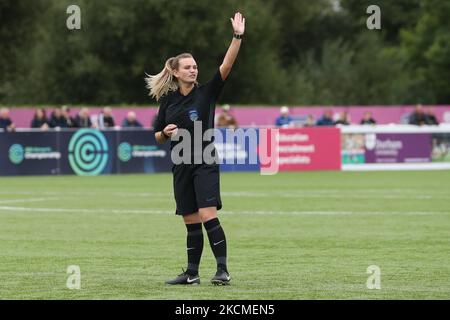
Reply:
x=160, y=84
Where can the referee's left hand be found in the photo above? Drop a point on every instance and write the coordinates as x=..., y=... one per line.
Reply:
x=238, y=23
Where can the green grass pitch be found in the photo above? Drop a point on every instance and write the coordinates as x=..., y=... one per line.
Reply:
x=299, y=235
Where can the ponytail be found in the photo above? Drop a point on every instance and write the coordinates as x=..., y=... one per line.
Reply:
x=160, y=84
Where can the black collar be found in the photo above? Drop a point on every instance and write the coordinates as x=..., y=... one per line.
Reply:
x=184, y=96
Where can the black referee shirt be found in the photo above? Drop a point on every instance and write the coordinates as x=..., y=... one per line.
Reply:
x=198, y=105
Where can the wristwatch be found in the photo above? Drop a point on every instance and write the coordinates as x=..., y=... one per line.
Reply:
x=238, y=36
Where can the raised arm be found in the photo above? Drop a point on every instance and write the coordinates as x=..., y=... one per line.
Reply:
x=238, y=24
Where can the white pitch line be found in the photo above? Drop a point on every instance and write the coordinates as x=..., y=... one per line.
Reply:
x=328, y=195
x=25, y=200
x=244, y=212
x=289, y=194
x=79, y=210
x=331, y=213
x=299, y=192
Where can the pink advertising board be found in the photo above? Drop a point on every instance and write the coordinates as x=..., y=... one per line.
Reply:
x=309, y=149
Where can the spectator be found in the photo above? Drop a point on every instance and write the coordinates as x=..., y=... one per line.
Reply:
x=5, y=121
x=57, y=119
x=310, y=122
x=130, y=121
x=367, y=118
x=418, y=117
x=343, y=119
x=284, y=120
x=40, y=120
x=431, y=118
x=105, y=119
x=225, y=119
x=327, y=119
x=71, y=123
x=83, y=120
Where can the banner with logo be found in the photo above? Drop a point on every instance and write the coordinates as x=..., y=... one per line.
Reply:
x=140, y=153
x=398, y=148
x=93, y=152
x=440, y=143
x=359, y=148
x=88, y=152
x=309, y=149
x=238, y=149
x=84, y=152
x=29, y=153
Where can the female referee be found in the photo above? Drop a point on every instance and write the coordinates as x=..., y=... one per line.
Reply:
x=196, y=186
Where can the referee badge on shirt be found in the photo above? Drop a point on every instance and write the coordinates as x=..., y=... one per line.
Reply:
x=193, y=115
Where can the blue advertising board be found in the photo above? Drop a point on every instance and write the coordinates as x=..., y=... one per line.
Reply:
x=85, y=152
x=238, y=149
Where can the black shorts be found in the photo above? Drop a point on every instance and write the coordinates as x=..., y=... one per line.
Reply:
x=196, y=186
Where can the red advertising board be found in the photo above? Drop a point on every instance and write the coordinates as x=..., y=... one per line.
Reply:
x=316, y=148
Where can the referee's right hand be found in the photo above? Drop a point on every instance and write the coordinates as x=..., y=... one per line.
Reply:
x=166, y=133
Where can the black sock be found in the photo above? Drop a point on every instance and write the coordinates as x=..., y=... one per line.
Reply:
x=194, y=247
x=217, y=242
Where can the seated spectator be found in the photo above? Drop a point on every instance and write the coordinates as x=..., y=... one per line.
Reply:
x=105, y=119
x=5, y=121
x=418, y=117
x=343, y=119
x=130, y=121
x=225, y=119
x=57, y=119
x=367, y=118
x=310, y=122
x=83, y=120
x=284, y=120
x=71, y=123
x=39, y=120
x=431, y=118
x=327, y=119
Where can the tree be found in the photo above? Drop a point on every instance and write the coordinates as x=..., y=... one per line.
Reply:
x=427, y=48
x=294, y=52
x=18, y=21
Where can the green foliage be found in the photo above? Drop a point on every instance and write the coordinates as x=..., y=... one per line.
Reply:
x=17, y=23
x=294, y=52
x=428, y=50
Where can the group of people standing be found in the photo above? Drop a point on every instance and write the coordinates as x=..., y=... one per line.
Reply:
x=420, y=116
x=61, y=118
x=327, y=119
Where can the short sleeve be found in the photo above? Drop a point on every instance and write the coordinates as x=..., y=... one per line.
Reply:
x=160, y=119
x=215, y=85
